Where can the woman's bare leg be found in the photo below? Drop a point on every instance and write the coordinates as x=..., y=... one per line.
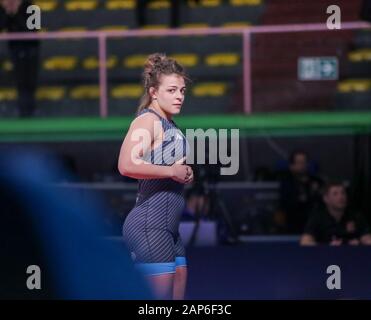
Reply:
x=180, y=281
x=162, y=286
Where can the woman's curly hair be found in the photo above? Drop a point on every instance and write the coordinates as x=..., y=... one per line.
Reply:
x=158, y=64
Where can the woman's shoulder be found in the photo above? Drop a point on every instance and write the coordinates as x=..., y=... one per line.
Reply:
x=145, y=116
x=145, y=120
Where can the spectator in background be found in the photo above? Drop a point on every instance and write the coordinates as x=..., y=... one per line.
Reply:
x=299, y=193
x=24, y=53
x=336, y=224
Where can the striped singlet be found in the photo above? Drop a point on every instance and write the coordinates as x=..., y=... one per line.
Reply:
x=151, y=228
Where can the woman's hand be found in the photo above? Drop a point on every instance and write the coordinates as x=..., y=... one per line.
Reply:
x=182, y=173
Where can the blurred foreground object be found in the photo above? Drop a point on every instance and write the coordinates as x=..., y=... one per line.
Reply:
x=48, y=227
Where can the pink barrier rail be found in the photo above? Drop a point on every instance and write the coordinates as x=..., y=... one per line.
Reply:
x=246, y=33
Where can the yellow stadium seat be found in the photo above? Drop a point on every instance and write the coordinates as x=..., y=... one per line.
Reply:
x=241, y=24
x=50, y=93
x=114, y=28
x=154, y=27
x=159, y=4
x=354, y=85
x=361, y=85
x=127, y=91
x=7, y=65
x=204, y=3
x=92, y=62
x=238, y=3
x=367, y=54
x=46, y=5
x=213, y=89
x=360, y=55
x=186, y=59
x=222, y=59
x=85, y=92
x=135, y=61
x=60, y=63
x=355, y=56
x=120, y=4
x=210, y=3
x=344, y=87
x=74, y=5
x=8, y=94
x=195, y=25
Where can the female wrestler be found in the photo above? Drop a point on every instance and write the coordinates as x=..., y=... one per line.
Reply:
x=151, y=228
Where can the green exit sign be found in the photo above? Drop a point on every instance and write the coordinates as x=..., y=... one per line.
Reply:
x=318, y=68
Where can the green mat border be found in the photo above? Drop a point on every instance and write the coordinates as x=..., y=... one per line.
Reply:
x=255, y=125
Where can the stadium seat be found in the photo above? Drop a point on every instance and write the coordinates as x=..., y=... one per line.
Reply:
x=46, y=5
x=86, y=5
x=135, y=61
x=7, y=66
x=344, y=87
x=127, y=91
x=238, y=3
x=360, y=55
x=159, y=4
x=85, y=92
x=154, y=27
x=204, y=3
x=354, y=85
x=362, y=85
x=210, y=3
x=60, y=63
x=92, y=62
x=194, y=25
x=186, y=59
x=236, y=24
x=222, y=59
x=50, y=93
x=213, y=89
x=8, y=94
x=120, y=4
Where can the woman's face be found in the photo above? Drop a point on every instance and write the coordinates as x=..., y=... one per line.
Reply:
x=170, y=93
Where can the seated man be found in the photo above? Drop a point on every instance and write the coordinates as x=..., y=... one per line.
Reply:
x=335, y=224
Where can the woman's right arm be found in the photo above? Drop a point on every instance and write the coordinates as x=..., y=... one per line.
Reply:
x=137, y=142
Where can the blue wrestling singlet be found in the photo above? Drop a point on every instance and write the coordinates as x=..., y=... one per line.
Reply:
x=151, y=228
